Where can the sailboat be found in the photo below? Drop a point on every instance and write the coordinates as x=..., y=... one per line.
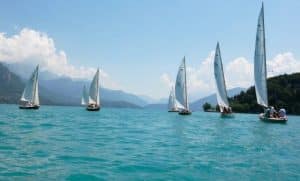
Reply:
x=93, y=99
x=181, y=90
x=172, y=106
x=260, y=71
x=30, y=95
x=85, y=97
x=222, y=99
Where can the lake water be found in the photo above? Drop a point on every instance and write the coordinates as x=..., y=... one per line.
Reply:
x=69, y=143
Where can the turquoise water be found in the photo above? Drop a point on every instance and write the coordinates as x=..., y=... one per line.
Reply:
x=69, y=143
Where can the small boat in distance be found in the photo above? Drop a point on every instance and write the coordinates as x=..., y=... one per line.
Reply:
x=260, y=74
x=93, y=99
x=181, y=90
x=30, y=95
x=222, y=98
x=85, y=96
x=172, y=106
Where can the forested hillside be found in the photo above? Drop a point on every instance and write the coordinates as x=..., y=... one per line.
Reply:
x=283, y=91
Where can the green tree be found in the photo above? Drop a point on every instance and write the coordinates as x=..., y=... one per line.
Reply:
x=206, y=106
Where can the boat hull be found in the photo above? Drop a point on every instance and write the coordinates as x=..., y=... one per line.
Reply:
x=185, y=112
x=272, y=120
x=29, y=107
x=93, y=108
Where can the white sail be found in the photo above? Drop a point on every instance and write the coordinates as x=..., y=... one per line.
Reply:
x=220, y=80
x=94, y=90
x=172, y=101
x=31, y=91
x=178, y=105
x=85, y=97
x=180, y=87
x=260, y=69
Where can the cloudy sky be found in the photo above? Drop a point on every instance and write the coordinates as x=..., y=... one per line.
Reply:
x=139, y=44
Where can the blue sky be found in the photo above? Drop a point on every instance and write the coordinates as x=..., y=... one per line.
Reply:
x=136, y=41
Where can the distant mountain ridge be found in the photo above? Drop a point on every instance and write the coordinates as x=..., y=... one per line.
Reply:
x=212, y=99
x=12, y=81
x=61, y=92
x=197, y=105
x=73, y=90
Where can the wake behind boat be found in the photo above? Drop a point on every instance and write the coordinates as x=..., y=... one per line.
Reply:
x=93, y=103
x=222, y=98
x=30, y=95
x=260, y=76
x=181, y=90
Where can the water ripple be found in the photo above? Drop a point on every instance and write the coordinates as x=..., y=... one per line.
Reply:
x=57, y=143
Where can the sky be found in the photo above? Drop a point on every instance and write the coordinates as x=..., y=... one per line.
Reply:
x=139, y=44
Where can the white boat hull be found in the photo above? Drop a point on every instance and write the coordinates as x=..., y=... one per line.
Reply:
x=272, y=120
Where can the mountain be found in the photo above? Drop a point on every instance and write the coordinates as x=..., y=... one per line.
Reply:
x=283, y=92
x=72, y=91
x=12, y=87
x=62, y=91
x=212, y=99
x=156, y=106
x=197, y=105
x=10, y=81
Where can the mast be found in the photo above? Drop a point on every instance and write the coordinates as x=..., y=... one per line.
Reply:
x=264, y=46
x=97, y=95
x=98, y=86
x=185, y=88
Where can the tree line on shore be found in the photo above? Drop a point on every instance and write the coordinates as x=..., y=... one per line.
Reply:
x=283, y=92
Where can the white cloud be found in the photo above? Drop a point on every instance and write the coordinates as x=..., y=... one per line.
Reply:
x=238, y=73
x=32, y=47
x=200, y=78
x=166, y=79
x=283, y=63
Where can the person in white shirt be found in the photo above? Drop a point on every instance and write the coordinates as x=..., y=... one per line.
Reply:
x=282, y=113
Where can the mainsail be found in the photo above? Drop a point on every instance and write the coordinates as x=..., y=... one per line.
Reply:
x=260, y=68
x=31, y=91
x=85, y=97
x=220, y=80
x=94, y=90
x=180, y=87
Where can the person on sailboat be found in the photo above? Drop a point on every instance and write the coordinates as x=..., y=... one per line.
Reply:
x=267, y=112
x=272, y=112
x=282, y=113
x=227, y=110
